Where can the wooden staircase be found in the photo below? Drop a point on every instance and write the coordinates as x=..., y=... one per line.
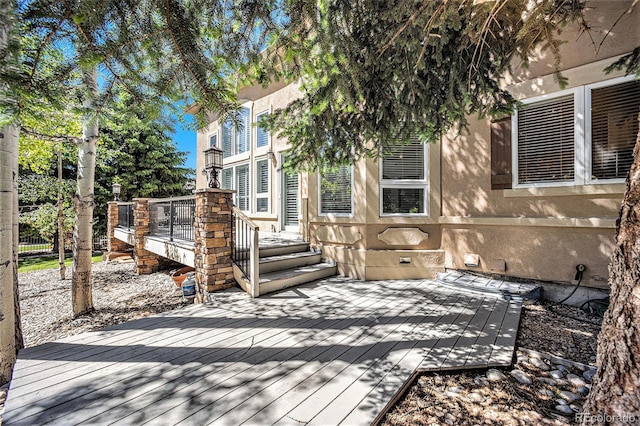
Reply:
x=286, y=265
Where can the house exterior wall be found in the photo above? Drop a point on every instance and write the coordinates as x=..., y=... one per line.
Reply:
x=538, y=232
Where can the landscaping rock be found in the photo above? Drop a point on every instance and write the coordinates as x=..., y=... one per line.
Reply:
x=521, y=377
x=494, y=375
x=475, y=397
x=569, y=396
x=588, y=375
x=584, y=390
x=575, y=380
x=556, y=374
x=546, y=381
x=547, y=392
x=539, y=364
x=564, y=410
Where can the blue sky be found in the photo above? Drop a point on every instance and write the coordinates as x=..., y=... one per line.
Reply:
x=185, y=139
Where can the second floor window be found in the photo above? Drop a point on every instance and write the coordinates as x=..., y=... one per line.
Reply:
x=235, y=139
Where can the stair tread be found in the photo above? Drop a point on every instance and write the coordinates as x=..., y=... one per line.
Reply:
x=288, y=273
x=288, y=256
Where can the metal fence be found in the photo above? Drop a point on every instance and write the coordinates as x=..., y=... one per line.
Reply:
x=173, y=218
x=33, y=245
x=125, y=215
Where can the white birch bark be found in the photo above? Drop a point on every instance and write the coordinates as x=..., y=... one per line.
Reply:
x=9, y=318
x=82, y=299
x=61, y=267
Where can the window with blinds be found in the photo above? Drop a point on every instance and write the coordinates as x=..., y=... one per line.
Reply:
x=226, y=180
x=213, y=140
x=546, y=141
x=614, y=129
x=335, y=191
x=236, y=140
x=262, y=134
x=262, y=186
x=403, y=184
x=242, y=187
x=579, y=136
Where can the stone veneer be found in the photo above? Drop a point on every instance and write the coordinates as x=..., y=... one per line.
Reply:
x=146, y=262
x=213, y=237
x=114, y=245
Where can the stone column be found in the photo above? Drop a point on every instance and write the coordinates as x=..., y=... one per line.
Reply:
x=146, y=262
x=114, y=245
x=213, y=237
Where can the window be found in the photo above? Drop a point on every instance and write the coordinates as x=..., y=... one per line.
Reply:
x=236, y=140
x=237, y=178
x=403, y=183
x=262, y=134
x=242, y=187
x=335, y=191
x=262, y=186
x=213, y=140
x=578, y=136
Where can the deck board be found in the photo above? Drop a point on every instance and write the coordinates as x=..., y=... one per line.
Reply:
x=330, y=352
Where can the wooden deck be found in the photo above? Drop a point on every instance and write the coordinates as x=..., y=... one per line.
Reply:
x=331, y=352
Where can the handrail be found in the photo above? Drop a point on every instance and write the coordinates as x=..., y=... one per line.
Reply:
x=245, y=252
x=245, y=218
x=178, y=198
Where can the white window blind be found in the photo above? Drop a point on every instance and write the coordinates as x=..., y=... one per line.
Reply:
x=335, y=191
x=213, y=140
x=242, y=187
x=406, y=162
x=226, y=181
x=404, y=185
x=546, y=141
x=614, y=129
x=262, y=186
x=236, y=140
x=262, y=134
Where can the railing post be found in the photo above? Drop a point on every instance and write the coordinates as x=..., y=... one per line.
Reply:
x=114, y=245
x=146, y=262
x=213, y=238
x=254, y=258
x=171, y=214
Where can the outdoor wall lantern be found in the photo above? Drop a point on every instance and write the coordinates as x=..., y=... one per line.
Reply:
x=212, y=165
x=116, y=188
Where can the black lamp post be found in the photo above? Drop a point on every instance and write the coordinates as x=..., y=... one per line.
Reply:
x=115, y=189
x=212, y=165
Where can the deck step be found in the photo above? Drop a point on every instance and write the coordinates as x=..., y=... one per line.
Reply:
x=277, y=280
x=288, y=261
x=510, y=289
x=282, y=249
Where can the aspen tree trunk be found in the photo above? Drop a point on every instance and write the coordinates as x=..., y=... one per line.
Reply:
x=61, y=266
x=10, y=329
x=82, y=298
x=615, y=395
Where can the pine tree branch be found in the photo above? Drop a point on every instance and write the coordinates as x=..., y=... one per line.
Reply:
x=52, y=138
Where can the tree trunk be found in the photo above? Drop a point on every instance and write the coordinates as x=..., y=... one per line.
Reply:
x=10, y=331
x=82, y=298
x=10, y=328
x=616, y=388
x=60, y=233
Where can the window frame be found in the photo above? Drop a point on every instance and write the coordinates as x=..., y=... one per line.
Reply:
x=234, y=182
x=235, y=135
x=257, y=122
x=214, y=134
x=334, y=214
x=406, y=184
x=262, y=195
x=582, y=136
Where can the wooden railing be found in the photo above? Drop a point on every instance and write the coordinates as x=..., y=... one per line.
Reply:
x=244, y=249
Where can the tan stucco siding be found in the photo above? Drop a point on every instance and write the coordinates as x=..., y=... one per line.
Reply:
x=545, y=253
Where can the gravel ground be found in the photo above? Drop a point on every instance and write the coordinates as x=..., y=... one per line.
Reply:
x=119, y=295
x=559, y=374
